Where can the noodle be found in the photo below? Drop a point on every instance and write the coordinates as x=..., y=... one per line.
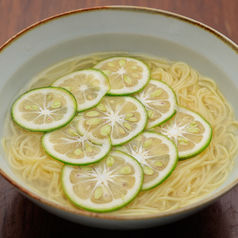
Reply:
x=190, y=181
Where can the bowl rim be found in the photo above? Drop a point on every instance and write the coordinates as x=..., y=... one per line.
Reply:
x=80, y=212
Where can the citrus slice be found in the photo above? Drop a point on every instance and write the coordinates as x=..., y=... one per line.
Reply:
x=68, y=146
x=126, y=75
x=157, y=155
x=105, y=186
x=121, y=118
x=190, y=132
x=44, y=109
x=159, y=100
x=88, y=86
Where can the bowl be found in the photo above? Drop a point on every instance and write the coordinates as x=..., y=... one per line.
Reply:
x=128, y=29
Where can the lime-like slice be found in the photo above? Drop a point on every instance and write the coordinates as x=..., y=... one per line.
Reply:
x=190, y=132
x=157, y=155
x=44, y=109
x=88, y=86
x=126, y=75
x=105, y=186
x=68, y=146
x=121, y=118
x=159, y=100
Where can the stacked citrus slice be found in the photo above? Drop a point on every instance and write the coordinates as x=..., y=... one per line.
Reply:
x=120, y=118
x=159, y=100
x=68, y=146
x=44, y=109
x=190, y=132
x=108, y=185
x=88, y=86
x=126, y=75
x=81, y=124
x=156, y=153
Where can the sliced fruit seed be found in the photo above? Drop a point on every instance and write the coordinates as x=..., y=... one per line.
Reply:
x=171, y=122
x=159, y=163
x=134, y=67
x=35, y=107
x=183, y=143
x=182, y=140
x=130, y=114
x=90, y=97
x=148, y=170
x=193, y=129
x=27, y=107
x=127, y=126
x=105, y=130
x=50, y=97
x=72, y=132
x=122, y=62
x=98, y=192
x=92, y=114
x=107, y=72
x=96, y=83
x=193, y=124
x=134, y=148
x=93, y=121
x=151, y=114
x=56, y=104
x=147, y=143
x=127, y=79
x=88, y=148
x=125, y=170
x=156, y=93
x=131, y=119
x=122, y=131
x=111, y=64
x=101, y=107
x=86, y=168
x=111, y=101
x=140, y=138
x=135, y=75
x=110, y=161
x=78, y=152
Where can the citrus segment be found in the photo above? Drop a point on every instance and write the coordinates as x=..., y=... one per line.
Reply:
x=159, y=100
x=105, y=186
x=126, y=75
x=190, y=132
x=88, y=86
x=68, y=146
x=121, y=118
x=157, y=155
x=44, y=109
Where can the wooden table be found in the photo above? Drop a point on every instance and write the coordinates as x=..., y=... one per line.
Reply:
x=21, y=218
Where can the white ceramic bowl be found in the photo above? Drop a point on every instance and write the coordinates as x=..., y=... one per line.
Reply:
x=139, y=30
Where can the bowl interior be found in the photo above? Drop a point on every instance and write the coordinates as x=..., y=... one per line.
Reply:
x=148, y=32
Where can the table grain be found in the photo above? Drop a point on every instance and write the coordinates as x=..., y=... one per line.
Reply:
x=19, y=217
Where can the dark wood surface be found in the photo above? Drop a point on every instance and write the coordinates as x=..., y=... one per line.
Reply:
x=21, y=218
